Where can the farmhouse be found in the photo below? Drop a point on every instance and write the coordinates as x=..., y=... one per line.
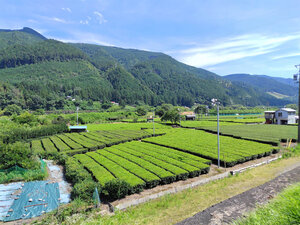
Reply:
x=281, y=116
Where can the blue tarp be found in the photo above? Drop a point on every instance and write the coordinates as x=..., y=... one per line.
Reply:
x=8, y=193
x=36, y=198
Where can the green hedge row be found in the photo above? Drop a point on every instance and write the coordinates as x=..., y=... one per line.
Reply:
x=23, y=134
x=99, y=172
x=84, y=185
x=233, y=151
x=136, y=183
x=150, y=178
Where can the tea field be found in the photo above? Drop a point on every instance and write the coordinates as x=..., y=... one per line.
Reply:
x=263, y=132
x=233, y=151
x=142, y=165
x=88, y=141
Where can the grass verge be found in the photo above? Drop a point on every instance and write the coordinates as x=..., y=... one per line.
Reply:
x=284, y=209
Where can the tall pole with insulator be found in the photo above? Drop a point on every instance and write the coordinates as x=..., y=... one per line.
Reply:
x=216, y=103
x=296, y=78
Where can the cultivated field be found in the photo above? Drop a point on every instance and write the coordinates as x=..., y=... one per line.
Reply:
x=264, y=132
x=204, y=144
x=89, y=141
x=142, y=164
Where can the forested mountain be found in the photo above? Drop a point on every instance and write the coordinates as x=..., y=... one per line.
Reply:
x=278, y=87
x=21, y=37
x=41, y=73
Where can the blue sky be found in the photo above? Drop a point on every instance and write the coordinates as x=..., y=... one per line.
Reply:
x=228, y=36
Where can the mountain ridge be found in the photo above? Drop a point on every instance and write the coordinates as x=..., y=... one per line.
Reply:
x=46, y=72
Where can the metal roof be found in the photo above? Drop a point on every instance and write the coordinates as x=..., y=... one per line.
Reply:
x=287, y=110
x=269, y=111
x=78, y=127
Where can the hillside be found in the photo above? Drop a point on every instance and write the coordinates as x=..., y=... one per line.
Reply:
x=21, y=37
x=47, y=73
x=276, y=86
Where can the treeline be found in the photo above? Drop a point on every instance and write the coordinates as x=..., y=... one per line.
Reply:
x=47, y=50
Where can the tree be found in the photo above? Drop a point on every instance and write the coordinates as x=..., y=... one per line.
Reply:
x=200, y=109
x=171, y=115
x=160, y=110
x=12, y=109
x=25, y=117
x=141, y=111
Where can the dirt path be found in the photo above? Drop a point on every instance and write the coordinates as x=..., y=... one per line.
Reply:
x=227, y=211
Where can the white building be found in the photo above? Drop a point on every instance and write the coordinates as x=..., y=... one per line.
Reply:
x=285, y=116
x=281, y=116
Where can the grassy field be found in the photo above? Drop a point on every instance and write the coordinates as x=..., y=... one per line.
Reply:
x=284, y=209
x=270, y=132
x=204, y=144
x=174, y=208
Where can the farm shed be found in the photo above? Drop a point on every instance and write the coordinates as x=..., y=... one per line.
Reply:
x=281, y=116
x=78, y=129
x=190, y=117
x=285, y=116
x=270, y=117
x=150, y=119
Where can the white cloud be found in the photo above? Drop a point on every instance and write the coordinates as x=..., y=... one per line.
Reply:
x=32, y=21
x=84, y=22
x=86, y=37
x=67, y=9
x=294, y=54
x=100, y=17
x=233, y=48
x=58, y=20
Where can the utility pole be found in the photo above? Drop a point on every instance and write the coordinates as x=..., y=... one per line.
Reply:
x=296, y=79
x=153, y=123
x=215, y=102
x=77, y=108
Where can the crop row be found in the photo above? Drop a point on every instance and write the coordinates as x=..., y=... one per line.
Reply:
x=263, y=132
x=98, y=171
x=142, y=164
x=83, y=142
x=204, y=144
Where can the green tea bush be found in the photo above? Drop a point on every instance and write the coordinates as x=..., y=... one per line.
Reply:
x=116, y=189
x=83, y=182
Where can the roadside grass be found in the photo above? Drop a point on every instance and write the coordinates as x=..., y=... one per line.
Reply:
x=284, y=209
x=174, y=208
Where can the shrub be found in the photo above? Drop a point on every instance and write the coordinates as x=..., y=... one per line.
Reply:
x=17, y=154
x=116, y=189
x=12, y=109
x=84, y=190
x=84, y=185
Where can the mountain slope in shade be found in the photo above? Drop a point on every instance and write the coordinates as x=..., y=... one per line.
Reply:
x=266, y=83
